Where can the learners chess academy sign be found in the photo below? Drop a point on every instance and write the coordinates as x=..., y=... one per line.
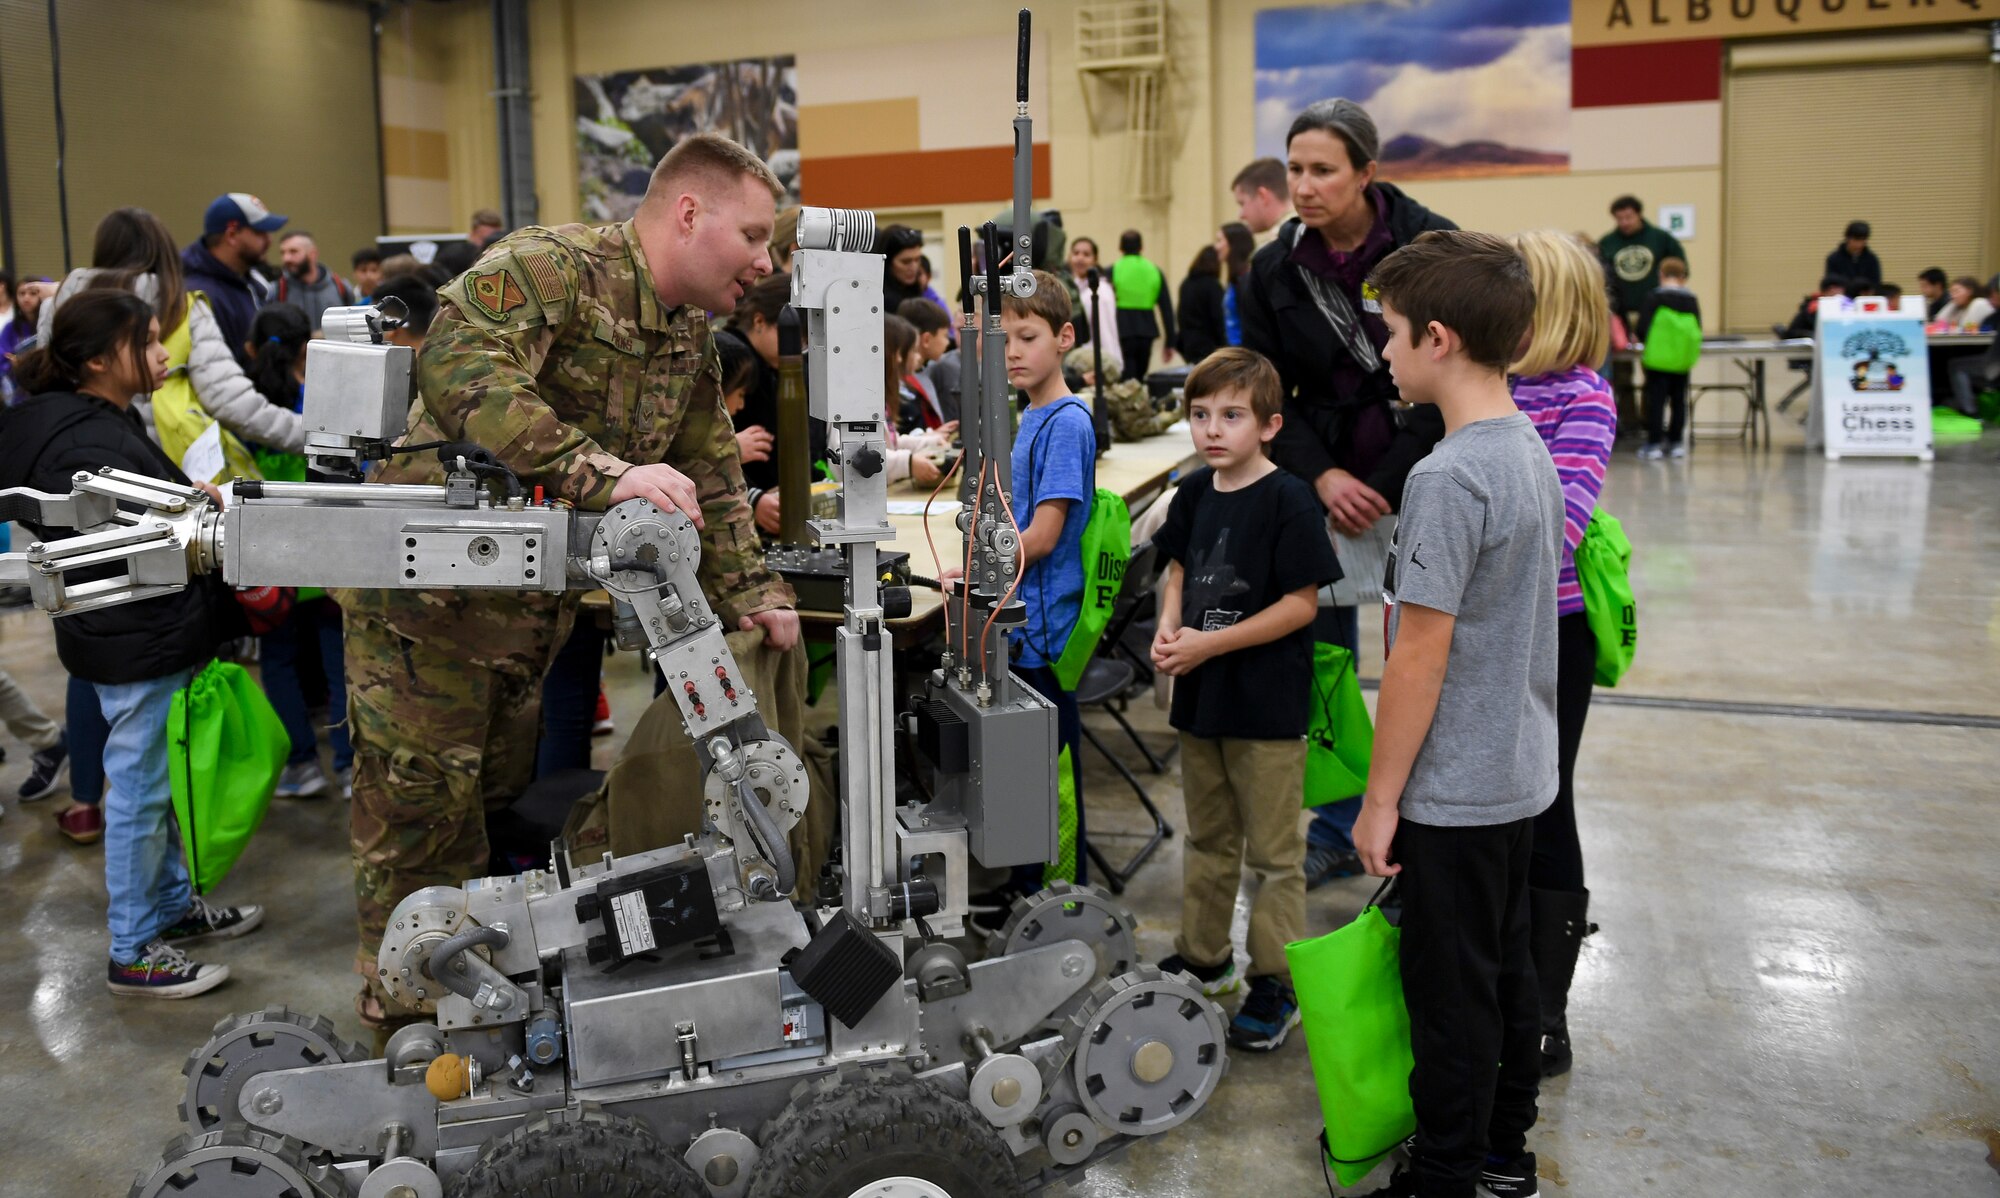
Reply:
x=1616, y=22
x=1874, y=375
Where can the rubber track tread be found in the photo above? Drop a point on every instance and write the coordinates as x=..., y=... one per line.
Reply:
x=585, y=1153
x=857, y=1114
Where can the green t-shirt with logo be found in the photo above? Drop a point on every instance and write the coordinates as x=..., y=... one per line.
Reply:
x=1635, y=263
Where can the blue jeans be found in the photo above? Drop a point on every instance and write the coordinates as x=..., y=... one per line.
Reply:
x=87, y=731
x=143, y=870
x=569, y=699
x=1332, y=825
x=315, y=624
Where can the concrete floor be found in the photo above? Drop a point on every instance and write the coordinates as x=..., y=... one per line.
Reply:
x=1793, y=991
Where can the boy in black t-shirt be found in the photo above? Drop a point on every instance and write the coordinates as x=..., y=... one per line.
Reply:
x=1247, y=550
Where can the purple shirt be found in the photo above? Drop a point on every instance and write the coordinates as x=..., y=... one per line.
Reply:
x=1573, y=412
x=15, y=330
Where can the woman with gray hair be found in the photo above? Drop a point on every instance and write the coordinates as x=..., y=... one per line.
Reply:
x=1304, y=306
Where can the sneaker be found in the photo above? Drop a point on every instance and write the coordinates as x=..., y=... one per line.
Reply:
x=1651, y=453
x=1509, y=1179
x=1266, y=1017
x=1215, y=980
x=343, y=780
x=603, y=725
x=1324, y=863
x=82, y=823
x=302, y=781
x=1677, y=450
x=203, y=922
x=46, y=772
x=164, y=971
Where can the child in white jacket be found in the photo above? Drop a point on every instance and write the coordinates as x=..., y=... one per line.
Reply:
x=135, y=251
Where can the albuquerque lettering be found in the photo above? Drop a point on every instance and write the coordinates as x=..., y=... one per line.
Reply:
x=1697, y=12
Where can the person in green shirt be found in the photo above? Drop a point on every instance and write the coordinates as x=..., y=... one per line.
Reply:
x=1634, y=251
x=1141, y=288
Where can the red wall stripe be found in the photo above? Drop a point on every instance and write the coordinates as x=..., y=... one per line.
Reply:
x=918, y=178
x=1645, y=73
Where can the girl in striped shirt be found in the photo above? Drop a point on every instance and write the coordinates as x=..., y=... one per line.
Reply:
x=1557, y=385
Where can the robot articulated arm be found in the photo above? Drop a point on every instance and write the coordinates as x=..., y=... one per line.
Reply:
x=142, y=537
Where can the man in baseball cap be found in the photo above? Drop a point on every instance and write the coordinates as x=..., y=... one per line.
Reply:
x=239, y=208
x=236, y=234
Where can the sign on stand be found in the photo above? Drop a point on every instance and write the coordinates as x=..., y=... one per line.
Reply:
x=1874, y=379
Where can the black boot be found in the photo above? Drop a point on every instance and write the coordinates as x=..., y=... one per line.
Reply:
x=1558, y=922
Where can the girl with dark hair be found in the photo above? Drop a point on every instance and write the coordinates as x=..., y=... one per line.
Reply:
x=278, y=338
x=134, y=252
x=1083, y=258
x=1303, y=305
x=908, y=452
x=308, y=643
x=902, y=250
x=103, y=349
x=1203, y=324
x=17, y=331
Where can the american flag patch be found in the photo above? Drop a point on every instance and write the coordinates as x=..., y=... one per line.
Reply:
x=542, y=272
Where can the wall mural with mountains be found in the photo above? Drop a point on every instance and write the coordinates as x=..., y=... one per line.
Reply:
x=1458, y=88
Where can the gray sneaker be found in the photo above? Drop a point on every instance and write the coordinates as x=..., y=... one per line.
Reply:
x=1677, y=450
x=1651, y=453
x=302, y=781
x=344, y=779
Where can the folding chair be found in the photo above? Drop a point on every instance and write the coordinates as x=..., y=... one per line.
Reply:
x=1107, y=683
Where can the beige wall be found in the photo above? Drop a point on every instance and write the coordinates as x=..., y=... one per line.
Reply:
x=437, y=73
x=165, y=114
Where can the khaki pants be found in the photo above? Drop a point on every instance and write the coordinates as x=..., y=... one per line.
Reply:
x=1243, y=809
x=24, y=719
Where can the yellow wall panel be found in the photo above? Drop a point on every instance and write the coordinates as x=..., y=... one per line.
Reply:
x=861, y=127
x=416, y=153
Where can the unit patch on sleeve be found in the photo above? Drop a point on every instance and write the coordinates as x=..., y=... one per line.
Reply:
x=495, y=293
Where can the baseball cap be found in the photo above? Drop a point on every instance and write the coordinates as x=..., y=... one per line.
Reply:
x=244, y=209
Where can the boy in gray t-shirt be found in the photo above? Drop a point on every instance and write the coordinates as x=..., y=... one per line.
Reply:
x=1465, y=738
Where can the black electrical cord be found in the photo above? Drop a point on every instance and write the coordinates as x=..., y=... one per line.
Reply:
x=480, y=462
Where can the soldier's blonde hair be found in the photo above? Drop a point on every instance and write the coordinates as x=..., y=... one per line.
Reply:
x=1572, y=323
x=710, y=158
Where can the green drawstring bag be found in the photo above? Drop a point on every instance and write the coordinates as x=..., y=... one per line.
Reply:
x=1340, y=738
x=225, y=749
x=1604, y=572
x=1349, y=984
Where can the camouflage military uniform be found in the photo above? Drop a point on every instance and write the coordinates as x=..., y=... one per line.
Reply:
x=556, y=354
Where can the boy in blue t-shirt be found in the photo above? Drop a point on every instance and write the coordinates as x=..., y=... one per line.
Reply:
x=1054, y=477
